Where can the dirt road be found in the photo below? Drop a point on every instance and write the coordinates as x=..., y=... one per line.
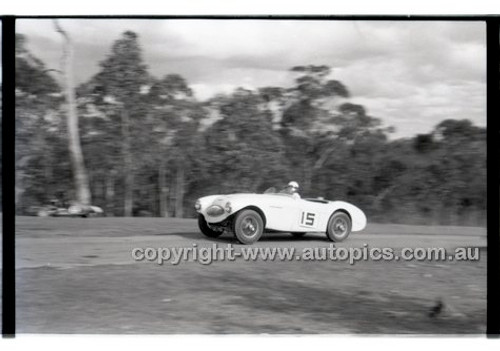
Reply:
x=77, y=276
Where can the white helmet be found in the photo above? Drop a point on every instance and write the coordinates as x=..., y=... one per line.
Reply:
x=294, y=185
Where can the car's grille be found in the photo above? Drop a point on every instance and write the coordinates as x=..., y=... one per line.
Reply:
x=215, y=211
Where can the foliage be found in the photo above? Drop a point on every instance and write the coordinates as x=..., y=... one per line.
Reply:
x=149, y=144
x=40, y=138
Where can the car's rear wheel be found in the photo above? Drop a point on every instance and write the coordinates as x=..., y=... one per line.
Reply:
x=206, y=230
x=339, y=227
x=248, y=227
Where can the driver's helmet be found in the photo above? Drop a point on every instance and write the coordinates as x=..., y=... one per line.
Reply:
x=294, y=186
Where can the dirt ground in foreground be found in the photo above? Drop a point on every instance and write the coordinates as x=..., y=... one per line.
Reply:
x=89, y=294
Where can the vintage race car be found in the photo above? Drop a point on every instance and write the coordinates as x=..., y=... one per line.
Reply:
x=60, y=210
x=248, y=216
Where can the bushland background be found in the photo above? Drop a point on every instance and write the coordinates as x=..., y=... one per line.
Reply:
x=150, y=148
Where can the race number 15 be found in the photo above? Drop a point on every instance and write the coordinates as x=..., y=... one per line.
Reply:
x=307, y=219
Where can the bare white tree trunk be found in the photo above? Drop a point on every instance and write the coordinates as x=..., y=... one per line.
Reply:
x=75, y=149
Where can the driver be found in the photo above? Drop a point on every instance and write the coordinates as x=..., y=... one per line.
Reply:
x=292, y=188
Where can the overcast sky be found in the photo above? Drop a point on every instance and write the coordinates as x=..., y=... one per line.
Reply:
x=412, y=75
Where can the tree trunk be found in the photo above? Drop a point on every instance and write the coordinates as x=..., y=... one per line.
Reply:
x=179, y=191
x=47, y=163
x=127, y=165
x=154, y=200
x=49, y=177
x=162, y=184
x=308, y=175
x=75, y=150
x=110, y=194
x=377, y=200
x=20, y=176
x=19, y=187
x=171, y=197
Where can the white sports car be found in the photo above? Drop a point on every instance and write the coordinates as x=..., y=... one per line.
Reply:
x=249, y=215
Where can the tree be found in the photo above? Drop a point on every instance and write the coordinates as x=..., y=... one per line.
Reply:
x=172, y=117
x=460, y=159
x=319, y=119
x=151, y=149
x=83, y=195
x=102, y=146
x=241, y=147
x=434, y=178
x=39, y=133
x=119, y=83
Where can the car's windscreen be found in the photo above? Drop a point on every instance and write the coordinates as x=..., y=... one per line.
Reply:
x=271, y=190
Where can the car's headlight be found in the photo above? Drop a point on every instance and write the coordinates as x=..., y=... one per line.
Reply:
x=215, y=211
x=197, y=205
x=228, y=207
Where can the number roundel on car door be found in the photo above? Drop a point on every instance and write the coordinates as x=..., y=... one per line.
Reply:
x=308, y=219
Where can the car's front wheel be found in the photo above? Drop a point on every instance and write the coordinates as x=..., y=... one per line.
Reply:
x=206, y=230
x=339, y=227
x=248, y=227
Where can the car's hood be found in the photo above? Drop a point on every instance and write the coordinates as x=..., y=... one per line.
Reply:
x=249, y=196
x=253, y=196
x=223, y=198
